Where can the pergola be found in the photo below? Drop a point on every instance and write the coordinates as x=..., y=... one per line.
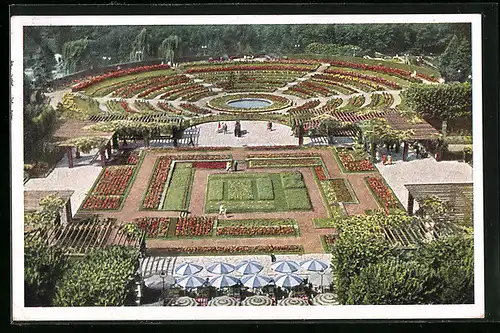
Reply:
x=459, y=197
x=421, y=130
x=76, y=128
x=418, y=231
x=32, y=202
x=80, y=237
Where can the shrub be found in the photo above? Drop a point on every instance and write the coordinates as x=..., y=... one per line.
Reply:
x=265, y=189
x=292, y=180
x=105, y=277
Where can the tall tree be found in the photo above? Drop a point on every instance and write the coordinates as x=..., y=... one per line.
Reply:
x=455, y=64
x=73, y=53
x=141, y=46
x=168, y=47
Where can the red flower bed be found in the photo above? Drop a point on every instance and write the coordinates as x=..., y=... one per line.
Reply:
x=364, y=77
x=202, y=148
x=114, y=181
x=194, y=226
x=237, y=249
x=210, y=165
x=281, y=230
x=306, y=106
x=283, y=155
x=381, y=69
x=383, y=194
x=125, y=107
x=274, y=147
x=427, y=77
x=249, y=68
x=329, y=240
x=94, y=202
x=194, y=108
x=154, y=226
x=109, y=75
x=157, y=184
x=352, y=165
x=202, y=157
x=319, y=172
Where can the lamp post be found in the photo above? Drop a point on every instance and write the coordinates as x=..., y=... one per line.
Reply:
x=163, y=275
x=204, y=48
x=296, y=47
x=322, y=272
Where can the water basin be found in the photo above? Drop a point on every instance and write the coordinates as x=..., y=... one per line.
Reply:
x=250, y=103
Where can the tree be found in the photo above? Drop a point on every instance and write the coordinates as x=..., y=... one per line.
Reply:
x=455, y=64
x=43, y=267
x=104, y=277
x=73, y=53
x=441, y=102
x=141, y=46
x=168, y=47
x=50, y=208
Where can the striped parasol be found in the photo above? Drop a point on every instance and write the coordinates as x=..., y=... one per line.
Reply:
x=220, y=268
x=255, y=281
x=325, y=299
x=223, y=301
x=257, y=300
x=223, y=281
x=285, y=266
x=314, y=265
x=190, y=281
x=188, y=268
x=288, y=280
x=185, y=301
x=249, y=267
x=292, y=301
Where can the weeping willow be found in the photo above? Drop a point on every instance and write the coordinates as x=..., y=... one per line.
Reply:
x=73, y=53
x=168, y=47
x=141, y=46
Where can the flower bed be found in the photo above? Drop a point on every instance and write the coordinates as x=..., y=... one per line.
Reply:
x=228, y=250
x=154, y=226
x=220, y=103
x=243, y=231
x=94, y=202
x=349, y=164
x=194, y=226
x=336, y=190
x=318, y=169
x=113, y=181
x=383, y=194
x=157, y=183
x=284, y=155
x=210, y=165
x=376, y=79
x=263, y=67
x=114, y=74
x=328, y=241
x=285, y=147
x=195, y=108
x=283, y=162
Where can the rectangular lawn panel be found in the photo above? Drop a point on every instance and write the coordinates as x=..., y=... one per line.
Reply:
x=265, y=189
x=253, y=192
x=240, y=189
x=297, y=199
x=179, y=189
x=292, y=180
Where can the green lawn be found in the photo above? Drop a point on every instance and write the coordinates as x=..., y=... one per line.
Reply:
x=292, y=180
x=255, y=192
x=179, y=189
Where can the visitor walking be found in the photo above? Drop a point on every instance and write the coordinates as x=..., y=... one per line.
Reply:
x=235, y=166
x=222, y=210
x=417, y=150
x=389, y=159
x=273, y=257
x=218, y=127
x=228, y=166
x=384, y=159
x=191, y=142
x=270, y=126
x=225, y=128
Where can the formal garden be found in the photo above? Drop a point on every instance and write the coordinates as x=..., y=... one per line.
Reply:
x=328, y=126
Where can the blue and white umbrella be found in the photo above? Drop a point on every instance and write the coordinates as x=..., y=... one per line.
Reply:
x=249, y=267
x=188, y=268
x=288, y=280
x=255, y=281
x=223, y=281
x=285, y=266
x=220, y=268
x=190, y=281
x=314, y=265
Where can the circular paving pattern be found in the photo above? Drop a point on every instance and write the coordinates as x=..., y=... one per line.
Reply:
x=252, y=102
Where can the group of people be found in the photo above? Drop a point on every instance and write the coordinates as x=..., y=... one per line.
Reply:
x=222, y=128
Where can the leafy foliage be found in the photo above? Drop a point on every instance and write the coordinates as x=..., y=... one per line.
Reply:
x=455, y=62
x=86, y=143
x=141, y=46
x=443, y=101
x=73, y=53
x=105, y=277
x=50, y=208
x=333, y=49
x=43, y=266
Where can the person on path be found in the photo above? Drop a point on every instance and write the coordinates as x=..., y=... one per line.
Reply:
x=235, y=166
x=191, y=142
x=228, y=166
x=222, y=210
x=417, y=150
x=218, y=127
x=273, y=257
x=389, y=159
x=225, y=128
x=270, y=126
x=384, y=158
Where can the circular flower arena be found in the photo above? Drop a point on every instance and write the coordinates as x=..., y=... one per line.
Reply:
x=249, y=103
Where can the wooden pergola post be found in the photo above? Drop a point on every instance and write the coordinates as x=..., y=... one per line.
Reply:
x=108, y=148
x=69, y=152
x=411, y=202
x=102, y=153
x=405, y=151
